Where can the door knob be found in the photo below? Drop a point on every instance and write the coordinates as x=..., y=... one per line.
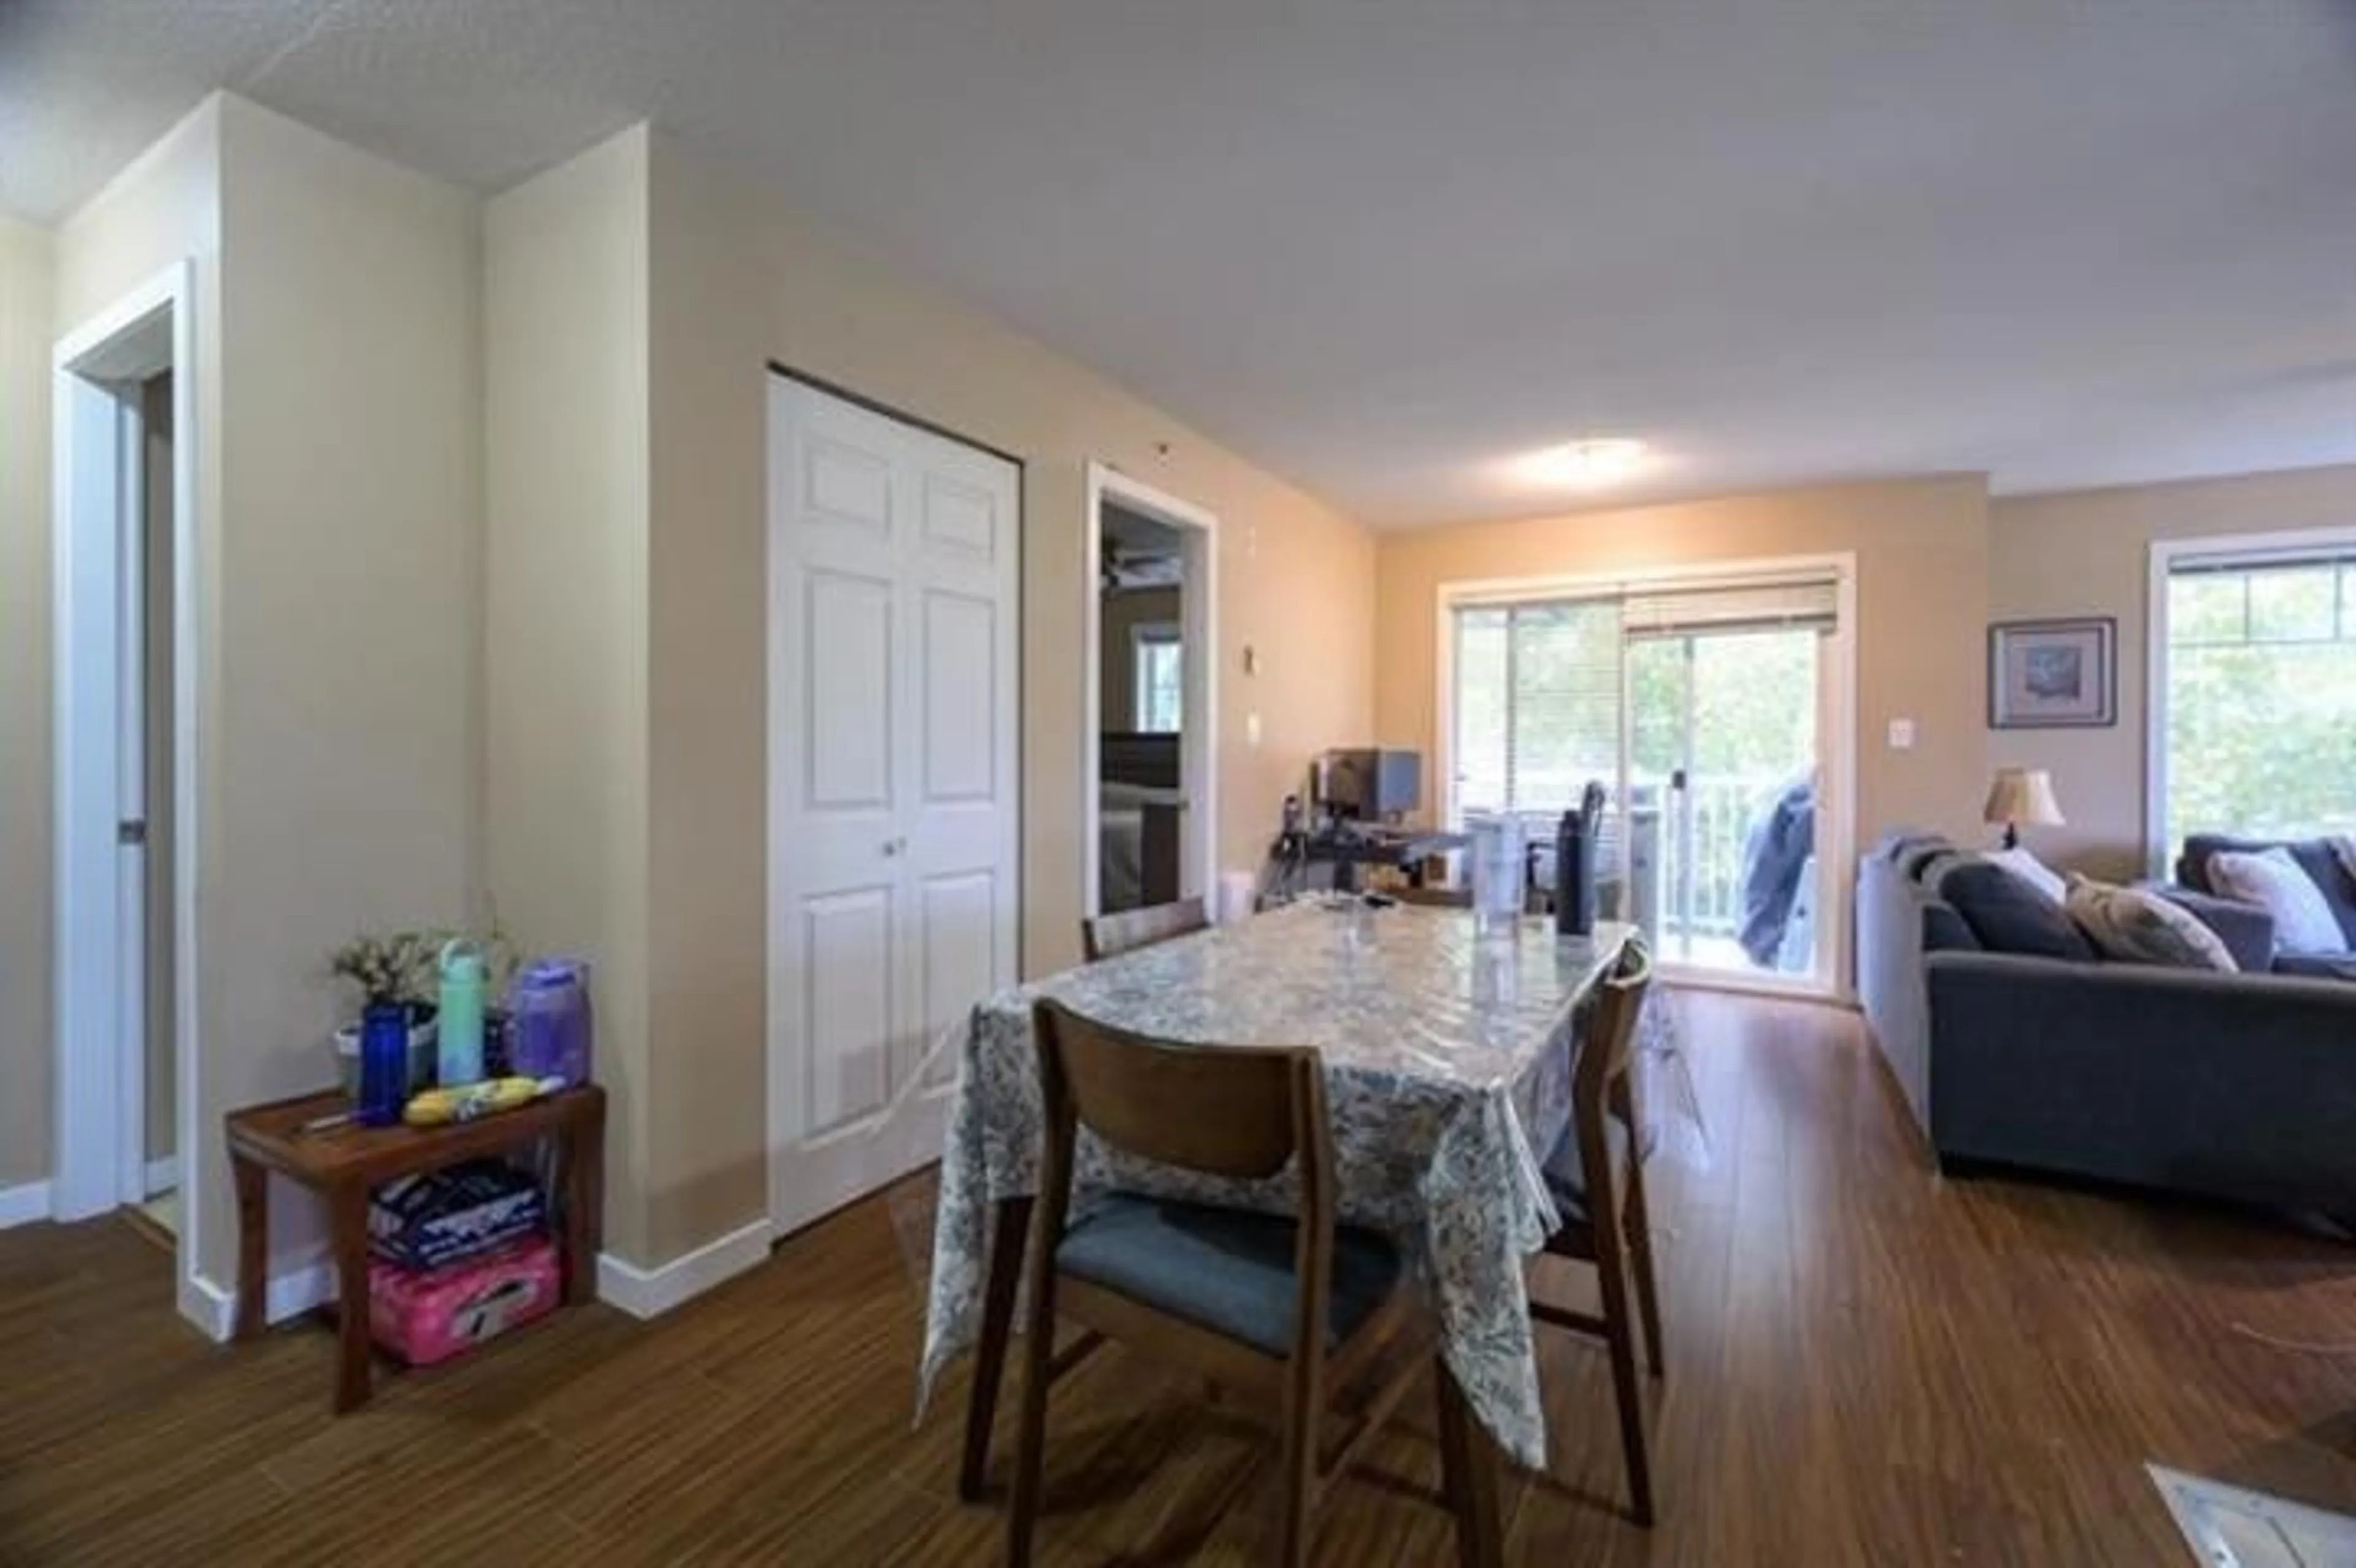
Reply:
x=891, y=846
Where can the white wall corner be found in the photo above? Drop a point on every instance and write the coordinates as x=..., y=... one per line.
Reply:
x=24, y=1205
x=650, y=1292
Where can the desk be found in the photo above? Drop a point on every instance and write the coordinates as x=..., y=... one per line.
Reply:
x=1346, y=851
x=1447, y=1060
x=342, y=1164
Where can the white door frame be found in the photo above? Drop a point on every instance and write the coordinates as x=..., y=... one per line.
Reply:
x=100, y=1156
x=1836, y=845
x=1198, y=749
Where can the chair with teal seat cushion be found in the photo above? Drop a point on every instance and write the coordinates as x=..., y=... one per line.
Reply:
x=1315, y=1315
x=1226, y=1270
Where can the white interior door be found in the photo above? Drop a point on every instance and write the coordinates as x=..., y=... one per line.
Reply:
x=893, y=562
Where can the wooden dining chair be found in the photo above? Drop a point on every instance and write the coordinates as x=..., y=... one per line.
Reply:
x=1596, y=1176
x=1297, y=1311
x=1106, y=934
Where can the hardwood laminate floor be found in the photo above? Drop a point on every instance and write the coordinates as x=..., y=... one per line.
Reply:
x=1868, y=1364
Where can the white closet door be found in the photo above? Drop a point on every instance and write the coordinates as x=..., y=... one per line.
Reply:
x=892, y=784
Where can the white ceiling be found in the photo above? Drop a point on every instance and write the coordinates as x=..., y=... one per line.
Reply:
x=1382, y=245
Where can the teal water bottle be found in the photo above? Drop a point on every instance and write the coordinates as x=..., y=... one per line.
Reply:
x=464, y=984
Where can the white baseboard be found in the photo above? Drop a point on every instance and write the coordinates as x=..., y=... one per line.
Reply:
x=214, y=1310
x=23, y=1205
x=649, y=1293
x=163, y=1175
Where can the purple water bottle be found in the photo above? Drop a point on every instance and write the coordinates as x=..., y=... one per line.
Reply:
x=550, y=1005
x=384, y=1063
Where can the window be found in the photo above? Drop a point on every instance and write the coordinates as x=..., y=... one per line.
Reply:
x=1536, y=709
x=1157, y=659
x=2253, y=714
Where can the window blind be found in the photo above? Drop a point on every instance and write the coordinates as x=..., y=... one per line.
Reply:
x=1539, y=691
x=1811, y=602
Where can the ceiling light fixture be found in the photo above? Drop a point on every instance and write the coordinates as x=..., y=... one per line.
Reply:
x=1599, y=461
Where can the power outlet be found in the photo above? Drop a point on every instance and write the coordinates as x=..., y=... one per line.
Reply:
x=1902, y=734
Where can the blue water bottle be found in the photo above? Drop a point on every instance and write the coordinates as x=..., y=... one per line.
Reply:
x=464, y=982
x=384, y=1063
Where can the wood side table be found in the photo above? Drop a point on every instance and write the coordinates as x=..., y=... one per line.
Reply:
x=342, y=1164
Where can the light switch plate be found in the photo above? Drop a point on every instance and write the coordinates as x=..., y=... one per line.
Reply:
x=1251, y=729
x=1902, y=734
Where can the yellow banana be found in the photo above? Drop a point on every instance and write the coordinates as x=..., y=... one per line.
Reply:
x=434, y=1107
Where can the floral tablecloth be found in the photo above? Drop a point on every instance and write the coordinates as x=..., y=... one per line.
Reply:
x=1446, y=1080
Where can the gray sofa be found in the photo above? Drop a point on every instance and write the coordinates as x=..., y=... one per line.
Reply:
x=2238, y=1086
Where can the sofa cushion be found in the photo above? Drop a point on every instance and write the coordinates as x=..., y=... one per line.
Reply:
x=2137, y=926
x=2007, y=914
x=2315, y=856
x=1944, y=930
x=2021, y=863
x=2246, y=930
x=1224, y=1269
x=1916, y=864
x=2302, y=921
x=2317, y=965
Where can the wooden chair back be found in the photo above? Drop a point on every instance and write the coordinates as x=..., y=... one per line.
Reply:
x=1601, y=1085
x=1107, y=934
x=1217, y=1110
x=1600, y=1076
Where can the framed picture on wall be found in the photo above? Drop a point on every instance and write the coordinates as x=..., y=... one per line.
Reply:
x=2053, y=675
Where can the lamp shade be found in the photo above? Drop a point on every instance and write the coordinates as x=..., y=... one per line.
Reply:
x=2022, y=798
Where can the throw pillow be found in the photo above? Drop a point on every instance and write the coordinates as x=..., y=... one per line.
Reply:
x=2139, y=927
x=2343, y=849
x=2303, y=922
x=2009, y=915
x=2031, y=870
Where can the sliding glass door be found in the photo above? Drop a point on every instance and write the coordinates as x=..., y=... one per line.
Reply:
x=1704, y=710
x=1722, y=730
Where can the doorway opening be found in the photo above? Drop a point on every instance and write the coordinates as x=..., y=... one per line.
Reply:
x=125, y=787
x=1723, y=732
x=1148, y=790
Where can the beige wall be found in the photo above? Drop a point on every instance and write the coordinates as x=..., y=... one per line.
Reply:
x=1116, y=672
x=1921, y=574
x=565, y=370
x=2089, y=553
x=26, y=334
x=338, y=523
x=341, y=759
x=738, y=282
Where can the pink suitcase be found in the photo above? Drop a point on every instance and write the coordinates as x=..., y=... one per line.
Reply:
x=428, y=1316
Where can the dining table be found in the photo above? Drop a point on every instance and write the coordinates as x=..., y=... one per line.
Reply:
x=1447, y=1042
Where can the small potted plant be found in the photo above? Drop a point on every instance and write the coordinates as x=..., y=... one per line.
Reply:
x=396, y=969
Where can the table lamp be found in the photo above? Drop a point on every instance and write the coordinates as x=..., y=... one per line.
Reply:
x=2021, y=796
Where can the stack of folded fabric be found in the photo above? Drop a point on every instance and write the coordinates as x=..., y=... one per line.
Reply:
x=460, y=1255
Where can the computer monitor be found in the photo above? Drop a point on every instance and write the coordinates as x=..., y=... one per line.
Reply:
x=1370, y=783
